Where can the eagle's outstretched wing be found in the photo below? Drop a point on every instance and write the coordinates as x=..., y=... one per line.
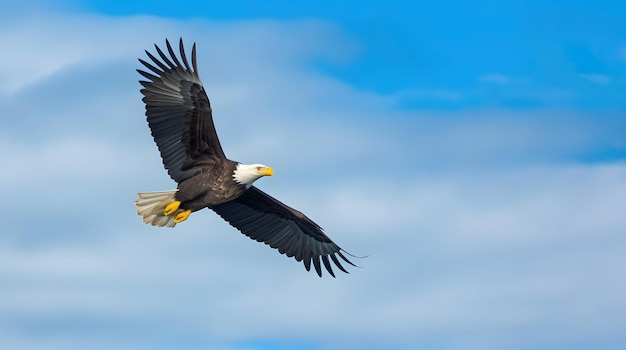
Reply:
x=265, y=219
x=179, y=113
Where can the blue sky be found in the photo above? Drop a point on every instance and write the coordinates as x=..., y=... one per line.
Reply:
x=474, y=153
x=456, y=47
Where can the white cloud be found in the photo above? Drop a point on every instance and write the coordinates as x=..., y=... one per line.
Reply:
x=466, y=257
x=38, y=54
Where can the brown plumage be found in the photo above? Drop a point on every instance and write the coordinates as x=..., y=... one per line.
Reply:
x=180, y=118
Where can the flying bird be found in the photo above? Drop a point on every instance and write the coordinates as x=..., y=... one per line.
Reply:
x=180, y=118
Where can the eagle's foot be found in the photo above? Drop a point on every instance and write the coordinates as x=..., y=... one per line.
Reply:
x=182, y=216
x=171, y=208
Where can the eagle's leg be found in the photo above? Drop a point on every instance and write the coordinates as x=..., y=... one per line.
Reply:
x=182, y=216
x=172, y=208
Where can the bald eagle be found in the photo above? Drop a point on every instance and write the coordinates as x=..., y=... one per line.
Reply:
x=180, y=118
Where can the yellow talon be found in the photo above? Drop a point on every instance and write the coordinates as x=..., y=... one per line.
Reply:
x=182, y=216
x=171, y=208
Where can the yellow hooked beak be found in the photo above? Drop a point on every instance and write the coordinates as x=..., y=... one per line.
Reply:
x=266, y=171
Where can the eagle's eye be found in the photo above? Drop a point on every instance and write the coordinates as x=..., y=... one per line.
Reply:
x=258, y=168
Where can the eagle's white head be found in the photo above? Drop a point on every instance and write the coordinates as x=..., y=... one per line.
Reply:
x=246, y=174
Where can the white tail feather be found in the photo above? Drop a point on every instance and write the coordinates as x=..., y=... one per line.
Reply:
x=151, y=205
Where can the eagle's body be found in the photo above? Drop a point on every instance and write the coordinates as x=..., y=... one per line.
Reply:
x=180, y=118
x=209, y=188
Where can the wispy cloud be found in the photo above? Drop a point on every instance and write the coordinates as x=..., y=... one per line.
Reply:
x=494, y=78
x=600, y=79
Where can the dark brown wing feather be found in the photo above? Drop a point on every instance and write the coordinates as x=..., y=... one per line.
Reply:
x=265, y=219
x=179, y=113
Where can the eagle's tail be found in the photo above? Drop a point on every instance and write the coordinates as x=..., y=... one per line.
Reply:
x=151, y=206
